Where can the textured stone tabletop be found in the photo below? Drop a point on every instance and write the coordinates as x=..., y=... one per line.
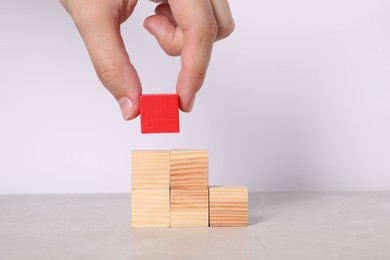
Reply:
x=281, y=226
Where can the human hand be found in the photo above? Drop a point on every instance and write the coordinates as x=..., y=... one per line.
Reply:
x=189, y=28
x=182, y=27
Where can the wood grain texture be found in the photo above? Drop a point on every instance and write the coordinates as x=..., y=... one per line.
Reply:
x=150, y=208
x=189, y=169
x=189, y=208
x=228, y=206
x=150, y=169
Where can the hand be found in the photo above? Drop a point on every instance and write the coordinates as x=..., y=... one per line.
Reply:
x=182, y=27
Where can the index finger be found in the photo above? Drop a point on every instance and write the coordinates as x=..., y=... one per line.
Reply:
x=196, y=19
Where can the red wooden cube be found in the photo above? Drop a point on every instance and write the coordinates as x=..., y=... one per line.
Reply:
x=159, y=113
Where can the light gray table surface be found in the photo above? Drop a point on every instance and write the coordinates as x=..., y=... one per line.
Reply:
x=281, y=226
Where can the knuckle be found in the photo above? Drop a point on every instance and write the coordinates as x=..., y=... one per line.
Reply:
x=210, y=27
x=171, y=46
x=172, y=52
x=171, y=49
x=107, y=72
x=107, y=76
x=197, y=76
x=226, y=29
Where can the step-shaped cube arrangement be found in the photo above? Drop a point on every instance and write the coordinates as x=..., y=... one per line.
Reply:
x=171, y=189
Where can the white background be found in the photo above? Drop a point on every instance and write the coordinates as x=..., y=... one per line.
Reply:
x=298, y=98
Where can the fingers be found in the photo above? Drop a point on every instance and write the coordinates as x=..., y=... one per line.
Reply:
x=190, y=28
x=164, y=27
x=99, y=26
x=197, y=21
x=224, y=18
x=165, y=9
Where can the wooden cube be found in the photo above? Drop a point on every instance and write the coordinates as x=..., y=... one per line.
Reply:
x=159, y=113
x=150, y=208
x=189, y=208
x=189, y=169
x=228, y=206
x=150, y=169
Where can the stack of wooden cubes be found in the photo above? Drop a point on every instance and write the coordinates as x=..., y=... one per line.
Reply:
x=171, y=189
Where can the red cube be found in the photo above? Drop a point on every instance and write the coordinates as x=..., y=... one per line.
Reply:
x=159, y=113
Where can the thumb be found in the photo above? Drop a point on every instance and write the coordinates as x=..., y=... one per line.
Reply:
x=101, y=35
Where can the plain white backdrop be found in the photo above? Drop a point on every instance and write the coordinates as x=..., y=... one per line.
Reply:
x=298, y=98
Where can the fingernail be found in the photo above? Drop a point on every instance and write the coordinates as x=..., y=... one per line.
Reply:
x=126, y=107
x=191, y=104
